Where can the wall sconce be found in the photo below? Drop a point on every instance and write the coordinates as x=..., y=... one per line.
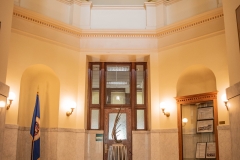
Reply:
x=224, y=99
x=2, y=104
x=184, y=120
x=163, y=106
x=11, y=97
x=72, y=107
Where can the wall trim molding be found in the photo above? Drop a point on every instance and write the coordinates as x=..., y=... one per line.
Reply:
x=191, y=22
x=154, y=2
x=45, y=39
x=223, y=127
x=78, y=2
x=171, y=130
x=10, y=126
x=39, y=19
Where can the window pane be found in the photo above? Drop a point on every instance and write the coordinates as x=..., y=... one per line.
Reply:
x=140, y=119
x=94, y=119
x=118, y=84
x=95, y=83
x=122, y=134
x=140, y=84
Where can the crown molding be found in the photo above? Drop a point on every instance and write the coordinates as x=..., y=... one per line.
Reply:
x=158, y=2
x=39, y=19
x=191, y=22
x=122, y=7
x=78, y=2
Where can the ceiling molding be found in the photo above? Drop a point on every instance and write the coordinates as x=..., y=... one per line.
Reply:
x=78, y=2
x=39, y=19
x=190, y=23
x=155, y=33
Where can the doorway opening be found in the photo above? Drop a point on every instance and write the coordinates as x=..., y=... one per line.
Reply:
x=113, y=86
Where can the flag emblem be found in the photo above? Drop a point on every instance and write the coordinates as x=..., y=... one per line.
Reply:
x=35, y=131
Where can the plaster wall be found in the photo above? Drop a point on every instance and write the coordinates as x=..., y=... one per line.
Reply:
x=232, y=40
x=117, y=17
x=173, y=62
x=27, y=51
x=118, y=2
x=50, y=8
x=184, y=9
x=6, y=10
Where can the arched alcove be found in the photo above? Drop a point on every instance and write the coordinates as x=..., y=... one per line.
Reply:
x=39, y=78
x=196, y=79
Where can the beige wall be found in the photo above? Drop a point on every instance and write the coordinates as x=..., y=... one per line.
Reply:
x=65, y=63
x=70, y=67
x=232, y=40
x=209, y=52
x=6, y=10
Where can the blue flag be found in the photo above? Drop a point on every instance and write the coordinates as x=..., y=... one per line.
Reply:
x=35, y=131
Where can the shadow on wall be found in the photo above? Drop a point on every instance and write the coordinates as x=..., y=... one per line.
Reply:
x=42, y=79
x=196, y=79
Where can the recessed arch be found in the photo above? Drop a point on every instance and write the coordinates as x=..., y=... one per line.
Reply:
x=42, y=79
x=196, y=79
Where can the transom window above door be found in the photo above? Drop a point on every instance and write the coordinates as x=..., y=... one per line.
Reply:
x=115, y=85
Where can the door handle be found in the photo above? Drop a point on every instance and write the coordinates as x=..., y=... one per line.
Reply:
x=105, y=148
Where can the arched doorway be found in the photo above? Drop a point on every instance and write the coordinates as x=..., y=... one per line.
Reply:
x=42, y=79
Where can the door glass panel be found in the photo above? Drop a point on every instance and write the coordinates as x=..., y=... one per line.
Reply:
x=140, y=119
x=197, y=131
x=122, y=126
x=140, y=84
x=95, y=84
x=118, y=84
x=94, y=119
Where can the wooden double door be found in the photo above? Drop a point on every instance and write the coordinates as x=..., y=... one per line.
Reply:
x=124, y=129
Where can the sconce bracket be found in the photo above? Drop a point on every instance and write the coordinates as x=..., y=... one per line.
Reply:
x=225, y=102
x=69, y=113
x=10, y=102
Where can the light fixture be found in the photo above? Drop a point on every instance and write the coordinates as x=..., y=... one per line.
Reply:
x=72, y=107
x=163, y=106
x=2, y=104
x=224, y=99
x=184, y=120
x=11, y=97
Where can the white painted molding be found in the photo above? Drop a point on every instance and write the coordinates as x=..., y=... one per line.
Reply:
x=154, y=33
x=173, y=130
x=114, y=7
x=191, y=22
x=78, y=2
x=157, y=2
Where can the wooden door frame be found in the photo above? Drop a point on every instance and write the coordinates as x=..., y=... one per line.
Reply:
x=194, y=99
x=133, y=88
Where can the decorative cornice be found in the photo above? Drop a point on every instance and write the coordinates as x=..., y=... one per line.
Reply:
x=196, y=98
x=45, y=21
x=78, y=2
x=155, y=2
x=161, y=32
x=187, y=24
